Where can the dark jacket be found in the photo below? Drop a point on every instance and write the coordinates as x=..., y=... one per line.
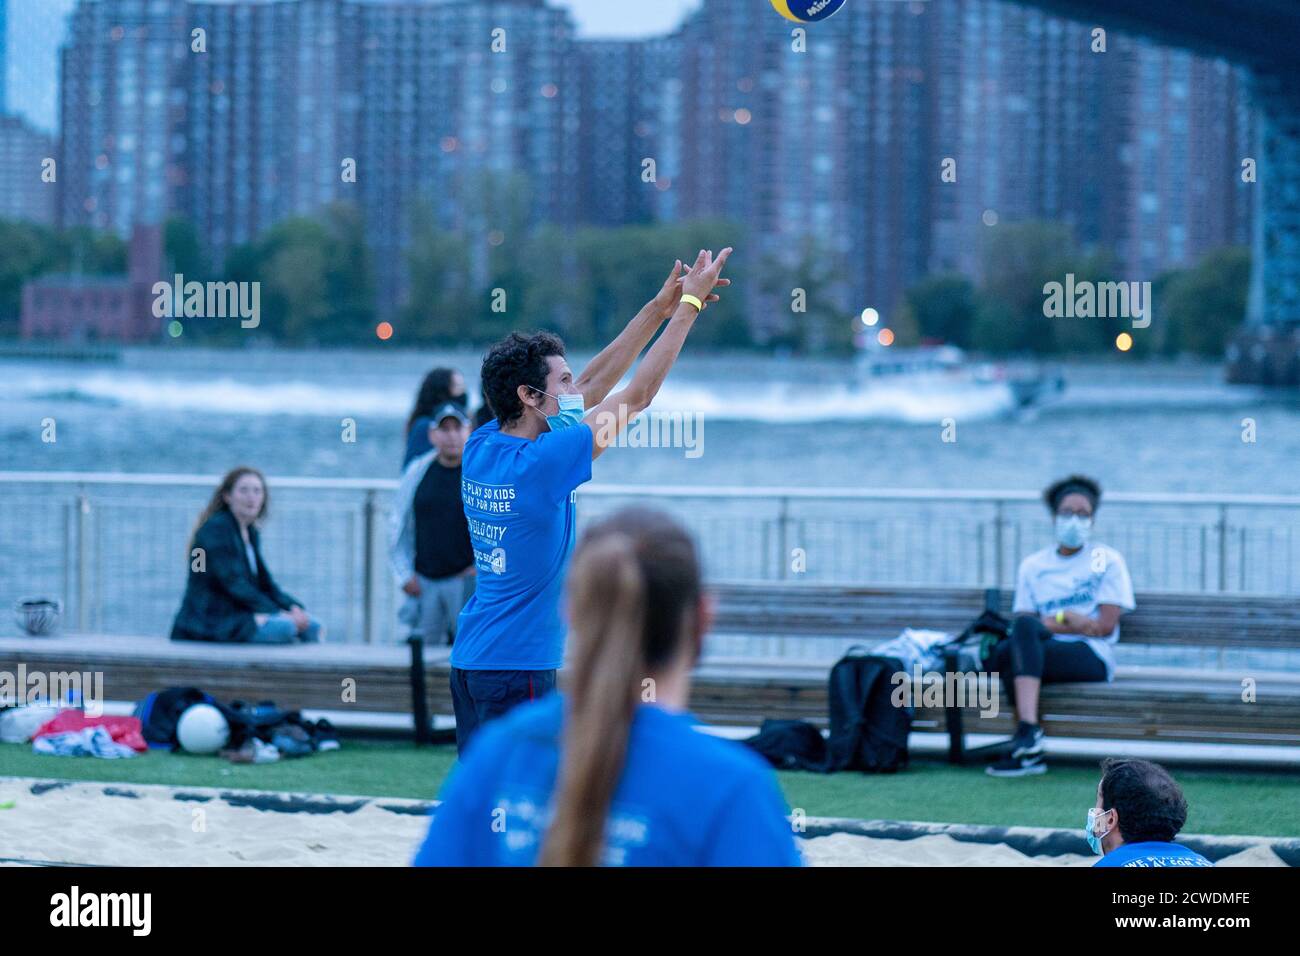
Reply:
x=220, y=600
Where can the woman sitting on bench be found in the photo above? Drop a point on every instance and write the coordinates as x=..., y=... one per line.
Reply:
x=231, y=596
x=1068, y=601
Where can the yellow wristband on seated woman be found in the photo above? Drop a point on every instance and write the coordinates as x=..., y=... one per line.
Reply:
x=693, y=300
x=1060, y=617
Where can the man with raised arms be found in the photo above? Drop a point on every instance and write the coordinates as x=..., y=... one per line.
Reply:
x=519, y=480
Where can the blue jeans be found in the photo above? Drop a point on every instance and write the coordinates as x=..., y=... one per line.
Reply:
x=280, y=629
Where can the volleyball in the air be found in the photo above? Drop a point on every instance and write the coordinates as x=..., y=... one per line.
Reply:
x=807, y=11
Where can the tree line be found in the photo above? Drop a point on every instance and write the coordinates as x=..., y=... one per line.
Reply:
x=471, y=285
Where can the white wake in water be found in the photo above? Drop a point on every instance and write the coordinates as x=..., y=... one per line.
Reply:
x=739, y=400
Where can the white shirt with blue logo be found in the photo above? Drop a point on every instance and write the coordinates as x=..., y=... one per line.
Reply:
x=1095, y=575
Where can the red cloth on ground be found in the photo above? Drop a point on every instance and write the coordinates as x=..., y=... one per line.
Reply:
x=124, y=730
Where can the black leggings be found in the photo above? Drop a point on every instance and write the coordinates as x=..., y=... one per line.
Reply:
x=1034, y=651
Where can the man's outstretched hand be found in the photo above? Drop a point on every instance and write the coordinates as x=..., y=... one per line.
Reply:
x=668, y=297
x=704, y=275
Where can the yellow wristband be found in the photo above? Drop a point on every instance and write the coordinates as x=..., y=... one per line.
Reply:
x=693, y=300
x=1060, y=617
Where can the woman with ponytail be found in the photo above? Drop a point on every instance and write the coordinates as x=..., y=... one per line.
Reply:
x=613, y=771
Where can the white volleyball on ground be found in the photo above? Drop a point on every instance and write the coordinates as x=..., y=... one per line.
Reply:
x=202, y=729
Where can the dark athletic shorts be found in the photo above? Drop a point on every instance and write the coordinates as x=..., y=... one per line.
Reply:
x=480, y=696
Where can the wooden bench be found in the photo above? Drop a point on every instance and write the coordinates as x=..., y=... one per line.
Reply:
x=336, y=677
x=1143, y=702
x=1146, y=703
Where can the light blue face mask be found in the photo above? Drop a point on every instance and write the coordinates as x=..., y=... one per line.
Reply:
x=571, y=409
x=1094, y=841
x=1072, y=530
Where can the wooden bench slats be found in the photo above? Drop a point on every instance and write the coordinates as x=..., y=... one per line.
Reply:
x=1149, y=703
x=798, y=609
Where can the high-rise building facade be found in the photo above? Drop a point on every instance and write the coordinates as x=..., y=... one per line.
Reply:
x=266, y=90
x=25, y=190
x=617, y=111
x=1182, y=193
x=493, y=116
x=120, y=108
x=461, y=111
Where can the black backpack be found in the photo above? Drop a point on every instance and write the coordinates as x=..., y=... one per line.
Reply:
x=868, y=732
x=790, y=745
x=160, y=711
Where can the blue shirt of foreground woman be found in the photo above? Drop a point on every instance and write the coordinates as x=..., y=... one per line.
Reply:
x=613, y=771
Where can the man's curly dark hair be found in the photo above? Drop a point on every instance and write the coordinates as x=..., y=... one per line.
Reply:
x=1082, y=484
x=517, y=360
x=1150, y=803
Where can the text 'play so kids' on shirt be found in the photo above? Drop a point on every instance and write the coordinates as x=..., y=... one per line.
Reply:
x=684, y=798
x=1153, y=854
x=1096, y=574
x=520, y=499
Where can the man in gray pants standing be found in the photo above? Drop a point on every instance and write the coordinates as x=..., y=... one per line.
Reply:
x=429, y=543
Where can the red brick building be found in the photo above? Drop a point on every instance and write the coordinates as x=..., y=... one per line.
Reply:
x=84, y=308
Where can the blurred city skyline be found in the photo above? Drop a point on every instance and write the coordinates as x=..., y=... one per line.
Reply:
x=882, y=148
x=31, y=32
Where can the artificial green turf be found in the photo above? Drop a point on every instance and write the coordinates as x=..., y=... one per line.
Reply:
x=1220, y=801
x=369, y=768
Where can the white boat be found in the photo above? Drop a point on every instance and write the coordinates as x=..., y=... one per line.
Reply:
x=944, y=370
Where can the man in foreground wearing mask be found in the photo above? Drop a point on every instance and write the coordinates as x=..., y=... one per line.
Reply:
x=1139, y=811
x=519, y=480
x=1069, y=597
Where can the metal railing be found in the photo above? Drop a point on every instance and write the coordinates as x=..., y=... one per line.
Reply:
x=114, y=548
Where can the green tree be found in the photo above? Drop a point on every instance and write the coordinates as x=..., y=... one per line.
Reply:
x=88, y=252
x=316, y=283
x=1020, y=259
x=183, y=251
x=440, y=306
x=26, y=251
x=825, y=324
x=943, y=307
x=1203, y=306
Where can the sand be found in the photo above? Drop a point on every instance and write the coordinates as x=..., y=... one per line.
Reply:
x=80, y=824
x=85, y=823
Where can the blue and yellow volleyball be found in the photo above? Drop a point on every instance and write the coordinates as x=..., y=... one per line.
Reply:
x=807, y=11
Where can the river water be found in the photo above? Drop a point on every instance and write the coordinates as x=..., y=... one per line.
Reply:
x=761, y=422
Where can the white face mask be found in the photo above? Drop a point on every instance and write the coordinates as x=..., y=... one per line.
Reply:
x=1094, y=839
x=571, y=409
x=1072, y=531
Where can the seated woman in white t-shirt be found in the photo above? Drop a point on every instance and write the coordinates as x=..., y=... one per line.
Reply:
x=1068, y=600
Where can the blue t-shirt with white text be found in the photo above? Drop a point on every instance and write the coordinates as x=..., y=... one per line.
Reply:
x=1152, y=854
x=520, y=504
x=684, y=798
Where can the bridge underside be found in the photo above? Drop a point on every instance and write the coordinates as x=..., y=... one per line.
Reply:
x=1267, y=351
x=1252, y=32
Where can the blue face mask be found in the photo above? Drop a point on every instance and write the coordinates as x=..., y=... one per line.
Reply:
x=571, y=409
x=1072, y=530
x=1094, y=841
